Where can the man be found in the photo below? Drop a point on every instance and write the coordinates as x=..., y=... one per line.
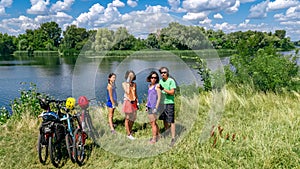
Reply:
x=168, y=86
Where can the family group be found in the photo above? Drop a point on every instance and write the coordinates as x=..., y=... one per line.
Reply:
x=160, y=102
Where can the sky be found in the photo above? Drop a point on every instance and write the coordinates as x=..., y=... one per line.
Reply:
x=142, y=17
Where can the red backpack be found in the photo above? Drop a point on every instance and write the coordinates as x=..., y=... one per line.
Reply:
x=83, y=102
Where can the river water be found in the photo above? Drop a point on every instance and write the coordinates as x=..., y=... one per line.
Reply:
x=63, y=77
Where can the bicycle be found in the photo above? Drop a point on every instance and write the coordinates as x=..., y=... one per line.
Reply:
x=67, y=119
x=85, y=118
x=48, y=137
x=85, y=126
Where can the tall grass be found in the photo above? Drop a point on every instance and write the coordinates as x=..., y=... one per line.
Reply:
x=250, y=130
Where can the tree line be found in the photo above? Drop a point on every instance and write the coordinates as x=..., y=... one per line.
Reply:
x=50, y=37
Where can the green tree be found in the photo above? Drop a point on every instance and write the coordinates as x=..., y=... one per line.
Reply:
x=74, y=38
x=50, y=32
x=104, y=39
x=280, y=33
x=7, y=45
x=123, y=40
x=152, y=42
x=264, y=69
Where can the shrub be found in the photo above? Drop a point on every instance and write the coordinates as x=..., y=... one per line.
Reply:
x=265, y=70
x=4, y=115
x=27, y=102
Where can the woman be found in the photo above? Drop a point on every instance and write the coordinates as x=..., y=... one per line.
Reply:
x=130, y=102
x=111, y=100
x=152, y=105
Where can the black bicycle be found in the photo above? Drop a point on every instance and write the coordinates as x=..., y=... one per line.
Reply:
x=51, y=133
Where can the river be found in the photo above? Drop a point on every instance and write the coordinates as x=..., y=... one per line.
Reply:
x=63, y=77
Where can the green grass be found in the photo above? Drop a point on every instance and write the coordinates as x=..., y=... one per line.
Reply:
x=266, y=129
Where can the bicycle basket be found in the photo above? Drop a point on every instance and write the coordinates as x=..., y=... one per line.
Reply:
x=83, y=102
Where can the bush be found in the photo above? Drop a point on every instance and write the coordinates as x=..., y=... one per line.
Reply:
x=27, y=102
x=4, y=115
x=266, y=70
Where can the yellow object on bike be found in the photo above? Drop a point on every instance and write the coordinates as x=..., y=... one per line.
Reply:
x=70, y=103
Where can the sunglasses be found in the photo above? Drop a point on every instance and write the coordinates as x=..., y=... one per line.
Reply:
x=163, y=72
x=153, y=77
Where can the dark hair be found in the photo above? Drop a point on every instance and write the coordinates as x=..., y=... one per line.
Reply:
x=162, y=68
x=127, y=73
x=110, y=75
x=150, y=75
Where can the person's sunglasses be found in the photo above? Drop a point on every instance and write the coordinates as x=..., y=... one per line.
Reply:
x=163, y=72
x=153, y=77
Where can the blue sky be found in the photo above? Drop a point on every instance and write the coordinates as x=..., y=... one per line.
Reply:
x=145, y=16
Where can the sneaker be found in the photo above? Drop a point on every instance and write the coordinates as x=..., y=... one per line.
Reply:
x=130, y=137
x=152, y=141
x=113, y=132
x=172, y=142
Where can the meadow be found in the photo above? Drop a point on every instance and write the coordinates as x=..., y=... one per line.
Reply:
x=233, y=128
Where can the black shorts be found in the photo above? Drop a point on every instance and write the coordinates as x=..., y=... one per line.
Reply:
x=168, y=113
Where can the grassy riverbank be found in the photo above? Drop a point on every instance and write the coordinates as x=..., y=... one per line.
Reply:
x=256, y=130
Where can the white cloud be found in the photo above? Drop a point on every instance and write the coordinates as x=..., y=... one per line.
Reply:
x=175, y=6
x=218, y=16
x=292, y=14
x=89, y=17
x=62, y=5
x=260, y=10
x=4, y=4
x=206, y=21
x=282, y=4
x=141, y=23
x=60, y=18
x=207, y=5
x=174, y=3
x=156, y=9
x=234, y=8
x=38, y=7
x=244, y=24
x=225, y=26
x=18, y=25
x=118, y=3
x=132, y=3
x=2, y=10
x=195, y=16
x=246, y=1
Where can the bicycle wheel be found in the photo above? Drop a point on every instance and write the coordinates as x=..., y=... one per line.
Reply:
x=69, y=143
x=42, y=148
x=55, y=152
x=78, y=146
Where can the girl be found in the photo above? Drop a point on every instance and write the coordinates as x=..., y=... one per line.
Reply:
x=130, y=102
x=111, y=100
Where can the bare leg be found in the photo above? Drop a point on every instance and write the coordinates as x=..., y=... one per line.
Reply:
x=110, y=118
x=166, y=125
x=173, y=130
x=154, y=129
x=127, y=125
